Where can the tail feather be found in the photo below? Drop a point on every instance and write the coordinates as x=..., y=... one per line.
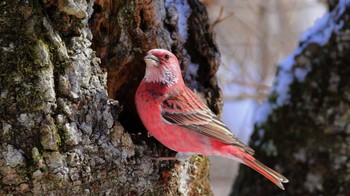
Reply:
x=269, y=173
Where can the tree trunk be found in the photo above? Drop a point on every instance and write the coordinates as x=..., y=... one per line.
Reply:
x=59, y=132
x=306, y=133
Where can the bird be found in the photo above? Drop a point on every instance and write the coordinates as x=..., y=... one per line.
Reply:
x=178, y=119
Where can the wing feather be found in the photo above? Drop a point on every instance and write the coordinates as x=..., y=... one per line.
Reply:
x=185, y=109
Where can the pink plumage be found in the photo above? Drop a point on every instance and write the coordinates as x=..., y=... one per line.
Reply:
x=177, y=118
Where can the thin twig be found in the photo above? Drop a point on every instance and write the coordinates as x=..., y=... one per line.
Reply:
x=219, y=19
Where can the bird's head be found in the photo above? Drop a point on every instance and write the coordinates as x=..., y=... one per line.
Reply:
x=162, y=67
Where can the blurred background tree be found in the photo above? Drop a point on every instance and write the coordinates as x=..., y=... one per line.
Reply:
x=267, y=32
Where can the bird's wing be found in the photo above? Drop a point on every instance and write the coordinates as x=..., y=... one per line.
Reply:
x=186, y=109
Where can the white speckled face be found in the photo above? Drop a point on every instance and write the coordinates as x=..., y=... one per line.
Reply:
x=160, y=75
x=161, y=68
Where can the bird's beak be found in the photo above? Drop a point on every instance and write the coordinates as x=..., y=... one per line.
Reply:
x=151, y=60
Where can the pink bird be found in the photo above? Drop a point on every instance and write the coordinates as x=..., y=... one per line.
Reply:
x=178, y=119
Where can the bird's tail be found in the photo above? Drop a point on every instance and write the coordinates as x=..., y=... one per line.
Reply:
x=269, y=173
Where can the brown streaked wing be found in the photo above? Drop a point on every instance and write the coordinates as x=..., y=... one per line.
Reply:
x=185, y=109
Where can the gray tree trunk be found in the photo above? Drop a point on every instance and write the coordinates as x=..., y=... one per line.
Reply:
x=59, y=134
x=307, y=135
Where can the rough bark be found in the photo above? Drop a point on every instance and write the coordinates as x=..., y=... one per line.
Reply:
x=307, y=137
x=59, y=133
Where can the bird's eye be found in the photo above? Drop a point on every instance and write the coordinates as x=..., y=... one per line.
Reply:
x=166, y=57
